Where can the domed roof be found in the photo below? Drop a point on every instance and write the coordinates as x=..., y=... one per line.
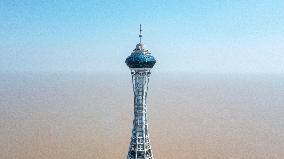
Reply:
x=140, y=60
x=140, y=57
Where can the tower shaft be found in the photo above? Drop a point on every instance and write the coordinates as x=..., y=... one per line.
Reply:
x=139, y=147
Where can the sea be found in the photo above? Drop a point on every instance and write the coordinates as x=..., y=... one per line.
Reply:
x=191, y=115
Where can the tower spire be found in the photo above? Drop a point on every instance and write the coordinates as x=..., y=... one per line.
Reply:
x=140, y=35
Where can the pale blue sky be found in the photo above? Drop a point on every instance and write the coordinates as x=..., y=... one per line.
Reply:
x=213, y=36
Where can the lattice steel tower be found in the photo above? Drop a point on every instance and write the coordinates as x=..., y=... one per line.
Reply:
x=140, y=63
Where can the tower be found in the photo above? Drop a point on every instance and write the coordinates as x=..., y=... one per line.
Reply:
x=140, y=63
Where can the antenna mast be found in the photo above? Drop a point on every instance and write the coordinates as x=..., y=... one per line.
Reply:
x=140, y=35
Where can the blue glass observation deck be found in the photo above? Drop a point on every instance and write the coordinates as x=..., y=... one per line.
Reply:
x=140, y=58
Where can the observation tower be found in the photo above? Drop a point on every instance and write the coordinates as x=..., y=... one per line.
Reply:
x=140, y=63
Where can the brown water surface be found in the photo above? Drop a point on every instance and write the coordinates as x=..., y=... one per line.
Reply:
x=80, y=116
